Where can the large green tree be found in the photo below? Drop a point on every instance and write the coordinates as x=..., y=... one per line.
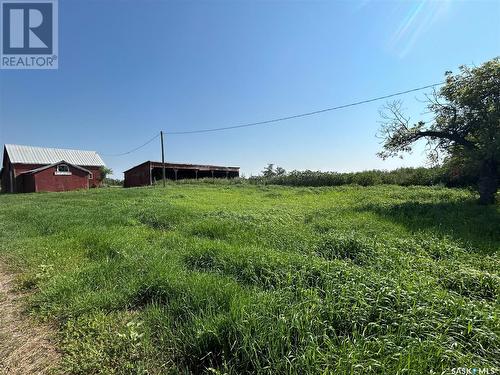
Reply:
x=465, y=125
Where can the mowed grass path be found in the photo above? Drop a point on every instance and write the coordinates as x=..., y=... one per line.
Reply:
x=232, y=278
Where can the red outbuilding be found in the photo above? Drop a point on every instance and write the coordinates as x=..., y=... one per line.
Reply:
x=28, y=169
x=150, y=171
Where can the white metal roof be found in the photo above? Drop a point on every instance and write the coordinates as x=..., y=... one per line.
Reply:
x=43, y=155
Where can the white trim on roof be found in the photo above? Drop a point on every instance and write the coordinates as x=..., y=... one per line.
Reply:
x=53, y=165
x=43, y=155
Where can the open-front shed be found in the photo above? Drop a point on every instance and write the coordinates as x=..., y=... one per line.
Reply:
x=150, y=171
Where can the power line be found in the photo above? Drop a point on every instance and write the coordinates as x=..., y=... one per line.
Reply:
x=301, y=114
x=134, y=149
x=278, y=119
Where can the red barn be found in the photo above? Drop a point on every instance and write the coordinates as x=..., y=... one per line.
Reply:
x=28, y=169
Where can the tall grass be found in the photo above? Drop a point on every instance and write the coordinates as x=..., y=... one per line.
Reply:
x=236, y=278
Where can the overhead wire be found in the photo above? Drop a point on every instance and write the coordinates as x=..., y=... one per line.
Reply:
x=134, y=149
x=276, y=120
x=279, y=119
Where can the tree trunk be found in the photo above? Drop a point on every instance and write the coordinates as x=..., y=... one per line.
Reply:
x=488, y=182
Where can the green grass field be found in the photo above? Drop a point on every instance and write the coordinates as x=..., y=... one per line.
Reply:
x=233, y=278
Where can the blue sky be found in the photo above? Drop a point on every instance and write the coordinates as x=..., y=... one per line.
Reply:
x=130, y=68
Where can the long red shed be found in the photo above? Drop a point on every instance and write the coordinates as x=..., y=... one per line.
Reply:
x=149, y=171
x=27, y=169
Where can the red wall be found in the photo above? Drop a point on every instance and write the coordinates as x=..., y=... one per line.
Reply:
x=46, y=180
x=26, y=183
x=20, y=168
x=96, y=174
x=6, y=172
x=138, y=176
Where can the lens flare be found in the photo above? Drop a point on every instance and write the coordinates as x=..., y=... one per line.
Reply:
x=420, y=17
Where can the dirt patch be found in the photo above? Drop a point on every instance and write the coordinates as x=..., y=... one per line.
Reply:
x=26, y=346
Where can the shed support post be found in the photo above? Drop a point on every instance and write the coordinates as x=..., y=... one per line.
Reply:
x=175, y=172
x=162, y=159
x=196, y=173
x=212, y=173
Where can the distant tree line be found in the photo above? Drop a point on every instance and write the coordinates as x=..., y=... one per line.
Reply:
x=447, y=175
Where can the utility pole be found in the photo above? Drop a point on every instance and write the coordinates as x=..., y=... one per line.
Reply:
x=162, y=158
